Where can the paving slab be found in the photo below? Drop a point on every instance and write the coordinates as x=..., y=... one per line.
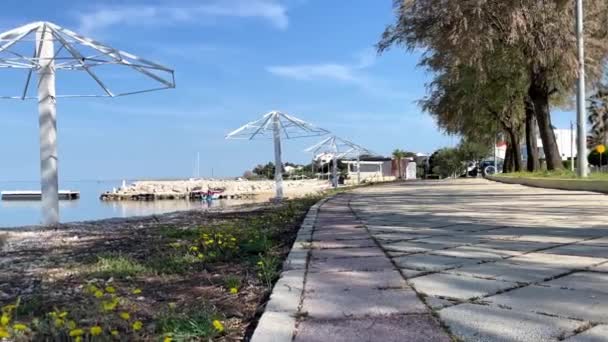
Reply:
x=600, y=268
x=583, y=305
x=471, y=252
x=411, y=247
x=458, y=287
x=529, y=234
x=344, y=244
x=353, y=279
x=603, y=241
x=598, y=333
x=520, y=246
x=556, y=260
x=420, y=328
x=450, y=241
x=398, y=236
x=424, y=262
x=343, y=302
x=369, y=264
x=507, y=270
x=594, y=251
x=472, y=323
x=346, y=253
x=583, y=281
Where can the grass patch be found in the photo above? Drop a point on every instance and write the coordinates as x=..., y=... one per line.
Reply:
x=117, y=266
x=193, y=323
x=560, y=174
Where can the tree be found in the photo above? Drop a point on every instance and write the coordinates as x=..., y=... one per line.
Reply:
x=446, y=162
x=398, y=155
x=539, y=34
x=598, y=118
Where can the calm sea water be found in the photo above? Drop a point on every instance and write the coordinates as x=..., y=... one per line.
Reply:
x=89, y=207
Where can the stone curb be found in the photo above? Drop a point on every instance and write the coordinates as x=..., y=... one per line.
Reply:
x=278, y=322
x=559, y=184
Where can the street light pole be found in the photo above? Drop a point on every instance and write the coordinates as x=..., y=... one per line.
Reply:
x=580, y=96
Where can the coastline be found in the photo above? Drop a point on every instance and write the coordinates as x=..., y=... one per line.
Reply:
x=231, y=189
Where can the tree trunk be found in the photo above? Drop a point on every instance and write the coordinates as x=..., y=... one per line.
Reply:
x=507, y=165
x=517, y=164
x=531, y=142
x=539, y=95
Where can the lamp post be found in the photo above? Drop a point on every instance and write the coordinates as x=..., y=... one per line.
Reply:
x=583, y=171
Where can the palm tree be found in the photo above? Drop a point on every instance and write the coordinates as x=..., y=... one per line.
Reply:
x=398, y=155
x=598, y=118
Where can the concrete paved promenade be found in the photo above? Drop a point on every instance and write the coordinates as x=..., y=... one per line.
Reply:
x=465, y=259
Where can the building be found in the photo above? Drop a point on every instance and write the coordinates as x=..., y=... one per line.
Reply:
x=566, y=144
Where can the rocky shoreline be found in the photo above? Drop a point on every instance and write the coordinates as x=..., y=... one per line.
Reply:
x=186, y=189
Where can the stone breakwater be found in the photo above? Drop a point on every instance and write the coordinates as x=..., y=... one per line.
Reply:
x=233, y=189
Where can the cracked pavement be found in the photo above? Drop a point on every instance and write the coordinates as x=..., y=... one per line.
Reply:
x=466, y=259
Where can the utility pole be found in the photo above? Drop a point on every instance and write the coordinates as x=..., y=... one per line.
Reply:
x=580, y=95
x=571, y=146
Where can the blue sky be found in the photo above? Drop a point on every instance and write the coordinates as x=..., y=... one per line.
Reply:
x=235, y=60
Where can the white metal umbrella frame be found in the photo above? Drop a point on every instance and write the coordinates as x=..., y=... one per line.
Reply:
x=49, y=42
x=276, y=125
x=340, y=148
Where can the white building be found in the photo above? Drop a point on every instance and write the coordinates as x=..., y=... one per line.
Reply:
x=566, y=144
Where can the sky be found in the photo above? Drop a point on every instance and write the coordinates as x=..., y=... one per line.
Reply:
x=234, y=61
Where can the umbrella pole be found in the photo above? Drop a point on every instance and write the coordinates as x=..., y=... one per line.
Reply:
x=334, y=172
x=47, y=112
x=278, y=167
x=358, y=169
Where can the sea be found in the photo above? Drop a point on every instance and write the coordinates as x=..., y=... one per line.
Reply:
x=89, y=206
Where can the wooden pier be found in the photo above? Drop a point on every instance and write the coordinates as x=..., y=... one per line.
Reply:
x=24, y=195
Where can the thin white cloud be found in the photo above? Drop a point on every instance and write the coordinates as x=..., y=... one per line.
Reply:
x=164, y=13
x=347, y=73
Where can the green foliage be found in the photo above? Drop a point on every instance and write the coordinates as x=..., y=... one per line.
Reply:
x=268, y=269
x=193, y=323
x=595, y=158
x=447, y=162
x=117, y=266
x=557, y=174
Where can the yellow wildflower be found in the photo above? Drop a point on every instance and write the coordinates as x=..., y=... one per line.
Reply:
x=175, y=245
x=98, y=294
x=233, y=239
x=109, y=306
x=59, y=322
x=260, y=263
x=76, y=332
x=96, y=330
x=5, y=319
x=78, y=339
x=200, y=256
x=4, y=333
x=234, y=290
x=194, y=249
x=110, y=289
x=20, y=327
x=63, y=314
x=71, y=325
x=114, y=333
x=218, y=325
x=9, y=308
x=136, y=291
x=137, y=325
x=168, y=339
x=125, y=315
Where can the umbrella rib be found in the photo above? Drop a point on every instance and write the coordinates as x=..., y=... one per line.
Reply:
x=261, y=127
x=79, y=57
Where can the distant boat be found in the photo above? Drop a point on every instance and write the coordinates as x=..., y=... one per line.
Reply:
x=210, y=194
x=26, y=195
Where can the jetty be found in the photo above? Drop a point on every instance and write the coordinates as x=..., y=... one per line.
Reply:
x=26, y=195
x=113, y=196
